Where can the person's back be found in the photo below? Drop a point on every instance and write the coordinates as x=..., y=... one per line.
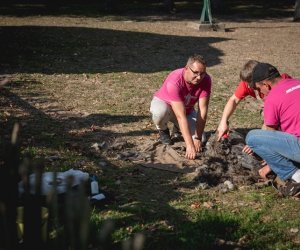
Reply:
x=283, y=106
x=279, y=143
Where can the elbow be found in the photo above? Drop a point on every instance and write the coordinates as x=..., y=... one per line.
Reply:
x=234, y=99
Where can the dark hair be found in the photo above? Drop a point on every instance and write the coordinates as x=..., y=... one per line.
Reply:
x=264, y=71
x=247, y=70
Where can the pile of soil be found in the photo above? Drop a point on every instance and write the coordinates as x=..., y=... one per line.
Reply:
x=220, y=161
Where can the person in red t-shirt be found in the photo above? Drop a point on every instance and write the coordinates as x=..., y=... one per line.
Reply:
x=243, y=90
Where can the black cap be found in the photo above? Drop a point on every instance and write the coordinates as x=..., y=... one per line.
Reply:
x=263, y=71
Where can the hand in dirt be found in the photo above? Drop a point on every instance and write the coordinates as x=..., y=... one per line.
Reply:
x=223, y=130
x=190, y=152
x=264, y=171
x=248, y=150
x=198, y=145
x=263, y=163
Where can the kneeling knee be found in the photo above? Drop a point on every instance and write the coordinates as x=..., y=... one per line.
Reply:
x=250, y=137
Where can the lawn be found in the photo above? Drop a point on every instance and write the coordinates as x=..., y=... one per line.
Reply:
x=79, y=76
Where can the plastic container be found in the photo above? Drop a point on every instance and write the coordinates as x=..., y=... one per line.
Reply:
x=94, y=186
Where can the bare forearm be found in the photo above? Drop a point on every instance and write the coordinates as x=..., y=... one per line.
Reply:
x=229, y=109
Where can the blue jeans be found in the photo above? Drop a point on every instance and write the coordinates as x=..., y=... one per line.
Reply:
x=280, y=150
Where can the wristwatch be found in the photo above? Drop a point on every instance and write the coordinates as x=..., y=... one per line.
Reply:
x=197, y=138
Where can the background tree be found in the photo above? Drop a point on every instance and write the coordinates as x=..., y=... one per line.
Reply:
x=297, y=11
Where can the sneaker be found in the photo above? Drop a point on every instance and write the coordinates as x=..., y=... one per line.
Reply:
x=164, y=136
x=287, y=188
x=176, y=132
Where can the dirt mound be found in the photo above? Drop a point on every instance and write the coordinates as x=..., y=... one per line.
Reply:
x=225, y=161
x=219, y=163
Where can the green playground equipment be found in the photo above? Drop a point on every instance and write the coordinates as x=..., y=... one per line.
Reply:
x=206, y=17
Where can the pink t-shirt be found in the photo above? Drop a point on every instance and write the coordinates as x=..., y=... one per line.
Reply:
x=176, y=89
x=282, y=106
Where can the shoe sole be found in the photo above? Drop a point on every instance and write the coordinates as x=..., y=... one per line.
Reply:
x=283, y=193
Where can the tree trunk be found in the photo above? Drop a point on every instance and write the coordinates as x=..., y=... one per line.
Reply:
x=216, y=6
x=112, y=5
x=170, y=6
x=297, y=11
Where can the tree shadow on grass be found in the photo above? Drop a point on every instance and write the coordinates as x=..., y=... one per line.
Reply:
x=234, y=10
x=74, y=50
x=151, y=202
x=39, y=128
x=163, y=225
x=147, y=197
x=147, y=209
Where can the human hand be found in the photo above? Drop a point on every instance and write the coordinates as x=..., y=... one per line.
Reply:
x=264, y=171
x=198, y=145
x=190, y=152
x=263, y=163
x=223, y=129
x=248, y=150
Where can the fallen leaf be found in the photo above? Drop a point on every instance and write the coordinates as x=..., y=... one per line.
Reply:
x=195, y=205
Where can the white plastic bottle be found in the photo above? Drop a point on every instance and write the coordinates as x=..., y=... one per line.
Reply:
x=94, y=186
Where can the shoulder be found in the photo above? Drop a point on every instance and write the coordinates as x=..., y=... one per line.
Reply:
x=244, y=90
x=285, y=82
x=242, y=87
x=275, y=95
x=243, y=84
x=177, y=72
x=175, y=76
x=206, y=83
x=207, y=79
x=207, y=76
x=286, y=76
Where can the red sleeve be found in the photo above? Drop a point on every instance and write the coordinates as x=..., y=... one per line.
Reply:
x=243, y=90
x=286, y=76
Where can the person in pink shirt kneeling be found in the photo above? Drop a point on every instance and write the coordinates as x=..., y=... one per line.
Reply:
x=174, y=102
x=241, y=92
x=279, y=143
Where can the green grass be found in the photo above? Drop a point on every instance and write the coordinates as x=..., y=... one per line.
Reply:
x=76, y=82
x=246, y=221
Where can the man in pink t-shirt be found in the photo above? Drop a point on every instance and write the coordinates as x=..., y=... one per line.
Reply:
x=279, y=144
x=175, y=100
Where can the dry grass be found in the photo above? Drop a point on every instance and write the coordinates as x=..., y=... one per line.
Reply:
x=80, y=80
